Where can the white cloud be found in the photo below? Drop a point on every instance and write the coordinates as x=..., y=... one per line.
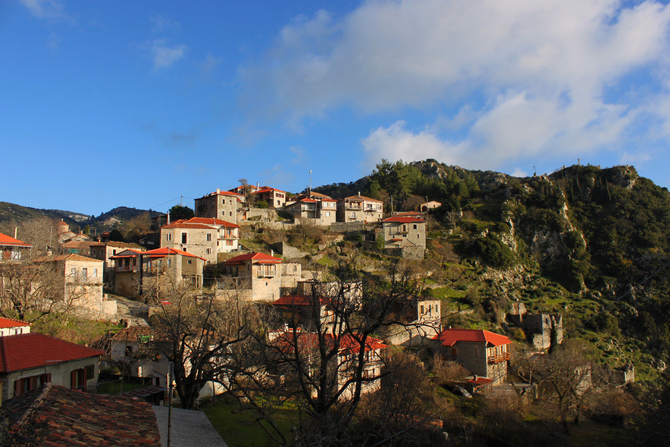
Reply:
x=48, y=9
x=163, y=23
x=209, y=64
x=164, y=54
x=298, y=154
x=526, y=78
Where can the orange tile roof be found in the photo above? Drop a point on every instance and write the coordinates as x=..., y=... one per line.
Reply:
x=404, y=219
x=181, y=223
x=10, y=322
x=267, y=189
x=449, y=337
x=212, y=221
x=166, y=251
x=310, y=340
x=261, y=258
x=8, y=240
x=28, y=351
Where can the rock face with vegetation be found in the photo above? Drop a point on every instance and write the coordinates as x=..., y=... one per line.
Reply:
x=590, y=243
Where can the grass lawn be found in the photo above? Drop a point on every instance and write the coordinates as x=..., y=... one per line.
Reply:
x=235, y=430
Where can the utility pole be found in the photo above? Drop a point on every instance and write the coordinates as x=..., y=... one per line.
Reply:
x=310, y=182
x=170, y=376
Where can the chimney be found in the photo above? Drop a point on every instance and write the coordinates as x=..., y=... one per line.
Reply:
x=16, y=232
x=272, y=252
x=218, y=190
x=168, y=217
x=258, y=185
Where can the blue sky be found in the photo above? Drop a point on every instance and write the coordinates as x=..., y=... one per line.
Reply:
x=127, y=103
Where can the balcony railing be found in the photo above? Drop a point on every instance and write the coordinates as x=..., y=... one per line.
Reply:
x=494, y=359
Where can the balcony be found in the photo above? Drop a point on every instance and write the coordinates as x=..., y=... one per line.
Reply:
x=495, y=359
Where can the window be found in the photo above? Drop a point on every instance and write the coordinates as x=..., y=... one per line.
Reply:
x=30, y=383
x=168, y=237
x=209, y=237
x=209, y=251
x=95, y=273
x=327, y=213
x=73, y=271
x=231, y=214
x=229, y=243
x=169, y=262
x=476, y=351
x=415, y=226
x=189, y=261
x=84, y=273
x=183, y=238
x=78, y=379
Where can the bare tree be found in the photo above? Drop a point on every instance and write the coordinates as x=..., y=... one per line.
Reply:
x=197, y=334
x=31, y=290
x=326, y=370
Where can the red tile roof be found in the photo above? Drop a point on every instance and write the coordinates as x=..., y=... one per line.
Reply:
x=8, y=240
x=28, y=351
x=75, y=418
x=309, y=200
x=255, y=257
x=212, y=221
x=267, y=189
x=10, y=322
x=310, y=340
x=295, y=300
x=166, y=251
x=181, y=223
x=404, y=219
x=480, y=381
x=449, y=337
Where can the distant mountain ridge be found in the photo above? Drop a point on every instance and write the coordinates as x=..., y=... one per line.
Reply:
x=11, y=213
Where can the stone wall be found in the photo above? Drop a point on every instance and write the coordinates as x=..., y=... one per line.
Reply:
x=416, y=253
x=287, y=251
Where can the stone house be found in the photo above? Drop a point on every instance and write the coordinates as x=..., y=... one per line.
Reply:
x=302, y=311
x=161, y=267
x=228, y=234
x=427, y=206
x=28, y=361
x=404, y=236
x=420, y=322
x=321, y=212
x=10, y=326
x=222, y=205
x=542, y=330
x=130, y=346
x=359, y=208
x=483, y=353
x=81, y=279
x=65, y=235
x=12, y=249
x=275, y=198
x=196, y=238
x=254, y=276
x=343, y=364
x=105, y=250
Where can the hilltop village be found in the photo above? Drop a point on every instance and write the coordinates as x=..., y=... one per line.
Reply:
x=342, y=309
